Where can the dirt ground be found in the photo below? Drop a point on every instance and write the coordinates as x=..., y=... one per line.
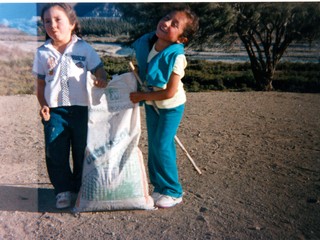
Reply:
x=259, y=154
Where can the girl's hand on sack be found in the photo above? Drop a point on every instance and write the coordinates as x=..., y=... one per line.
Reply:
x=45, y=113
x=100, y=83
x=136, y=97
x=100, y=78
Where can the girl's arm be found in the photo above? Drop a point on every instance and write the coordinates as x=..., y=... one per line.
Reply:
x=169, y=92
x=40, y=92
x=101, y=78
x=45, y=110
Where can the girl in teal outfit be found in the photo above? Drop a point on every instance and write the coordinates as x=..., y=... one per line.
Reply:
x=161, y=63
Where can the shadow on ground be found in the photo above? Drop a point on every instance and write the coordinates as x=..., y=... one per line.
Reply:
x=27, y=199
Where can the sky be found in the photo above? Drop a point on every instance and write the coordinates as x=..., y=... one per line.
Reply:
x=18, y=10
x=20, y=16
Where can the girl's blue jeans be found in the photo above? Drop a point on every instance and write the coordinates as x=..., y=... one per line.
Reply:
x=162, y=165
x=66, y=129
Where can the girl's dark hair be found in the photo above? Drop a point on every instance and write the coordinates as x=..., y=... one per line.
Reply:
x=71, y=14
x=193, y=23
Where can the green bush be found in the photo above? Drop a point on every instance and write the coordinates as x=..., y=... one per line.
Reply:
x=297, y=84
x=298, y=77
x=216, y=76
x=116, y=65
x=104, y=26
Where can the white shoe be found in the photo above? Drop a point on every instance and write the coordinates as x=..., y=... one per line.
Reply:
x=167, y=201
x=156, y=196
x=63, y=200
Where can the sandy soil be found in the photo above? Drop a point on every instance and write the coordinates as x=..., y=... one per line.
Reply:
x=259, y=154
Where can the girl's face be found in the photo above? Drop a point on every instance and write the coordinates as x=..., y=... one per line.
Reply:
x=57, y=25
x=171, y=27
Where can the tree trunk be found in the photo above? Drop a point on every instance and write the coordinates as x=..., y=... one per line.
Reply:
x=263, y=77
x=263, y=70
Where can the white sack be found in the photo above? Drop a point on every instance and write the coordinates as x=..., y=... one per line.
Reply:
x=114, y=175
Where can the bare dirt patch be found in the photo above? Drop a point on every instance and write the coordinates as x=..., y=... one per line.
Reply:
x=259, y=154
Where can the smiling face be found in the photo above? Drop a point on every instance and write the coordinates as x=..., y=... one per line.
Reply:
x=171, y=27
x=57, y=25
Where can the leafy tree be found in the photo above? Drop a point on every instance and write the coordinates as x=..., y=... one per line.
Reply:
x=265, y=29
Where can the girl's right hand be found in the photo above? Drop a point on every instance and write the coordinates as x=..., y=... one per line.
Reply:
x=136, y=97
x=45, y=113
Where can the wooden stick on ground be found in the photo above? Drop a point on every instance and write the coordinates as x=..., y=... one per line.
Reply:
x=144, y=88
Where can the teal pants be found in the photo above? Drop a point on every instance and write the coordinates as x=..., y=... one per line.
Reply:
x=162, y=164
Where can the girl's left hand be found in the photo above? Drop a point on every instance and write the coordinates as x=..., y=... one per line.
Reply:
x=45, y=113
x=100, y=83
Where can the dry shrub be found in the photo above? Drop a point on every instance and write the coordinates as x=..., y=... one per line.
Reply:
x=16, y=71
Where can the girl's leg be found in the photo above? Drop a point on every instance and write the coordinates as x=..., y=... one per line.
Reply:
x=79, y=125
x=152, y=119
x=163, y=147
x=57, y=140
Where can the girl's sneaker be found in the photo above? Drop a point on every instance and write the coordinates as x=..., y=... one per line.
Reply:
x=63, y=200
x=156, y=196
x=168, y=201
